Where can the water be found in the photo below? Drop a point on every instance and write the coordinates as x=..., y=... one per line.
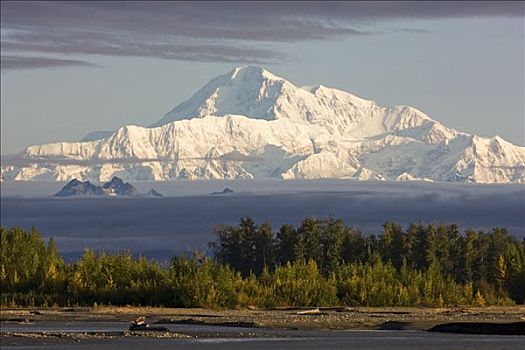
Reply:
x=185, y=218
x=211, y=337
x=116, y=326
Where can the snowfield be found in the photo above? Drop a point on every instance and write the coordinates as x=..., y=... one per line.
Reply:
x=250, y=124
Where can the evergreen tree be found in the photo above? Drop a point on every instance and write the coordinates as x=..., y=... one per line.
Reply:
x=264, y=248
x=310, y=233
x=419, y=246
x=286, y=242
x=453, y=262
x=354, y=247
x=333, y=232
x=227, y=248
x=393, y=243
x=248, y=230
x=469, y=256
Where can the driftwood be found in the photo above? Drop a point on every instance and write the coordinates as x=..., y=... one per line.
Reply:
x=139, y=321
x=310, y=312
x=140, y=325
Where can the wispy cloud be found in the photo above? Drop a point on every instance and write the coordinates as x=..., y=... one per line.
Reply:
x=55, y=42
x=415, y=30
x=211, y=31
x=27, y=62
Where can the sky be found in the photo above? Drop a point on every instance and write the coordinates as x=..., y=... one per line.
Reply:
x=70, y=68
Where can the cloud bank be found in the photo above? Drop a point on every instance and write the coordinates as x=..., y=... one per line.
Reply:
x=239, y=32
x=173, y=224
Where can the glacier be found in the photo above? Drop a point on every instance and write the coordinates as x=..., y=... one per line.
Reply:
x=252, y=124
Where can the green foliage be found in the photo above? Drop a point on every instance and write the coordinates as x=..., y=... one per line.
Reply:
x=247, y=248
x=321, y=262
x=301, y=284
x=116, y=278
x=287, y=241
x=203, y=284
x=27, y=263
x=444, y=265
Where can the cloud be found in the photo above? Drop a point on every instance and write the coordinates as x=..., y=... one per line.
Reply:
x=79, y=43
x=415, y=30
x=211, y=31
x=266, y=21
x=26, y=62
x=223, y=20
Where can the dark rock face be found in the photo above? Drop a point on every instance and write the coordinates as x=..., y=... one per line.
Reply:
x=153, y=193
x=79, y=188
x=119, y=187
x=115, y=187
x=225, y=191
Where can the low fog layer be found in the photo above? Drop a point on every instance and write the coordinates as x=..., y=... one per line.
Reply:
x=161, y=227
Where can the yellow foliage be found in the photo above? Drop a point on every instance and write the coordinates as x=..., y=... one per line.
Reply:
x=479, y=300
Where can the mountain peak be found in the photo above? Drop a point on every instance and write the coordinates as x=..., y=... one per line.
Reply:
x=256, y=93
x=118, y=187
x=253, y=74
x=252, y=71
x=79, y=188
x=248, y=90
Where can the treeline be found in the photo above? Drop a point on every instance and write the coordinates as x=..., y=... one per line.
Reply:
x=319, y=263
x=492, y=262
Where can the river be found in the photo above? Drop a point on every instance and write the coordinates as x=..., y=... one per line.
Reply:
x=212, y=337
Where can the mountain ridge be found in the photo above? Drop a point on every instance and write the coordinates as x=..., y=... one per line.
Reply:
x=250, y=123
x=115, y=187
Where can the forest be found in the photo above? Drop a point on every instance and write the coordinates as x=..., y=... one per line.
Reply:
x=320, y=262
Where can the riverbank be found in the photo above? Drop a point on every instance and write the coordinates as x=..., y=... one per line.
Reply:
x=330, y=328
x=344, y=318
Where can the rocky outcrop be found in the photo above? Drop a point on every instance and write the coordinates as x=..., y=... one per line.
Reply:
x=115, y=187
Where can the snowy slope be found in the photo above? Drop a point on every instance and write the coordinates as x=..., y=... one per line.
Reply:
x=250, y=123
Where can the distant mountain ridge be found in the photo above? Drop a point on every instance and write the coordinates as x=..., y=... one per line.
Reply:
x=250, y=123
x=115, y=187
x=80, y=188
x=120, y=188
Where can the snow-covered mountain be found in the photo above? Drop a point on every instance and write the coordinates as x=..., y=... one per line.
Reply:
x=250, y=123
